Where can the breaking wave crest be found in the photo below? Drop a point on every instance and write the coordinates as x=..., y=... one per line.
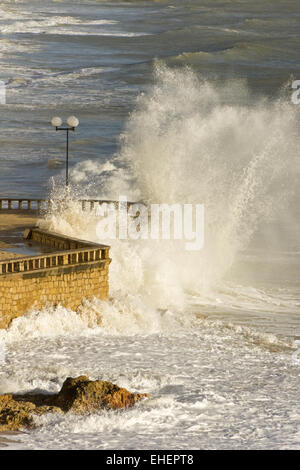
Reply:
x=184, y=143
x=187, y=143
x=130, y=317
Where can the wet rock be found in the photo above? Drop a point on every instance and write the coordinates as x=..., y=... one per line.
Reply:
x=14, y=415
x=81, y=394
x=78, y=395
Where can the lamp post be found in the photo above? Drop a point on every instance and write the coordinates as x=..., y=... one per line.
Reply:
x=73, y=122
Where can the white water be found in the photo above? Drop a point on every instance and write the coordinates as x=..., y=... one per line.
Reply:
x=186, y=144
x=213, y=384
x=65, y=25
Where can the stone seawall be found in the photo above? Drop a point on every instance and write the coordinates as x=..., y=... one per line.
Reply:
x=66, y=277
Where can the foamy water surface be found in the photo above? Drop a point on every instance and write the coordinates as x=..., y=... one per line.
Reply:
x=211, y=335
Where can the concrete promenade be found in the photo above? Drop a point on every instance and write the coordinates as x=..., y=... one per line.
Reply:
x=12, y=226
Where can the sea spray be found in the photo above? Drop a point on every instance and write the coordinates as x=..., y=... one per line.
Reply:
x=188, y=141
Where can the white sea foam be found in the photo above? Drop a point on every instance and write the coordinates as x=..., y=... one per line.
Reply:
x=28, y=77
x=189, y=131
x=8, y=46
x=67, y=25
x=201, y=383
x=41, y=24
x=185, y=144
x=151, y=335
x=213, y=384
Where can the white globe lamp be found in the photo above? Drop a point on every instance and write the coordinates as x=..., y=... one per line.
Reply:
x=56, y=121
x=73, y=121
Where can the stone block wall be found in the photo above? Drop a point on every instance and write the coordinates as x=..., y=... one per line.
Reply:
x=68, y=284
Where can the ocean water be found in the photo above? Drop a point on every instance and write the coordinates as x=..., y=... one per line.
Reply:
x=178, y=102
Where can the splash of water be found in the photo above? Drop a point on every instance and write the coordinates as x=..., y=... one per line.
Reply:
x=191, y=141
